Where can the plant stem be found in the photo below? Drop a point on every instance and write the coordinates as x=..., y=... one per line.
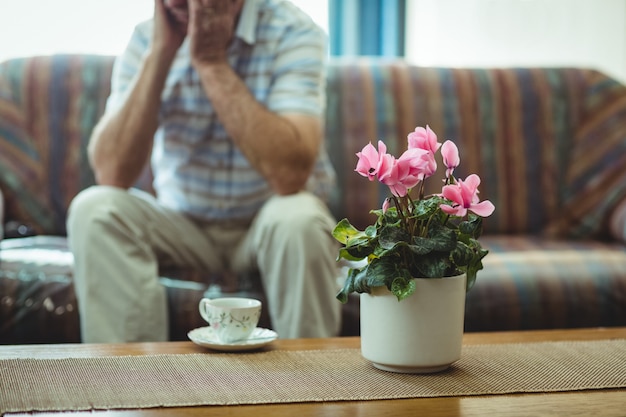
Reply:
x=398, y=203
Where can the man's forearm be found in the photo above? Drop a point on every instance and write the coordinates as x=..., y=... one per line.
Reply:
x=282, y=148
x=121, y=143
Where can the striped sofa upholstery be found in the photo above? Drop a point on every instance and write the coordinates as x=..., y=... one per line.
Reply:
x=48, y=107
x=549, y=144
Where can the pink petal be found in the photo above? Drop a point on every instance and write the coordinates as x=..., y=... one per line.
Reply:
x=386, y=205
x=472, y=181
x=369, y=152
x=453, y=211
x=398, y=190
x=368, y=162
x=423, y=138
x=450, y=154
x=452, y=192
x=483, y=209
x=387, y=169
x=382, y=148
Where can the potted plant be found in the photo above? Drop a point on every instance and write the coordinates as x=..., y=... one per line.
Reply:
x=417, y=260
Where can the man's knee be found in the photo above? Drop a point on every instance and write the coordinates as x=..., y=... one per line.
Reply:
x=302, y=212
x=92, y=198
x=92, y=203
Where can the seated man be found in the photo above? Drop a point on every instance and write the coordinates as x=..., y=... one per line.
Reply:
x=225, y=99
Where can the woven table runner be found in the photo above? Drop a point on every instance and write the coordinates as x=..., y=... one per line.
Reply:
x=126, y=382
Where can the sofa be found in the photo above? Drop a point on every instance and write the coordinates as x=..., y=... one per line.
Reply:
x=548, y=143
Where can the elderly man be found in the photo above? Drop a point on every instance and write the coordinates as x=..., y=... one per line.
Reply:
x=225, y=99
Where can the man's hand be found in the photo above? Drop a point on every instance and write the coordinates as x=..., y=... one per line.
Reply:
x=178, y=11
x=171, y=18
x=211, y=29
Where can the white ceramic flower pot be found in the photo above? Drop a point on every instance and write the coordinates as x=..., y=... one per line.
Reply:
x=420, y=334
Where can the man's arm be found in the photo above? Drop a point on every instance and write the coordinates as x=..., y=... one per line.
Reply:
x=121, y=142
x=283, y=148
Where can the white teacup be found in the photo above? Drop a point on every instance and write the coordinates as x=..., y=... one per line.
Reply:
x=232, y=319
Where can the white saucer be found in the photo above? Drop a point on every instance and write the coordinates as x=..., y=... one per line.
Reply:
x=204, y=336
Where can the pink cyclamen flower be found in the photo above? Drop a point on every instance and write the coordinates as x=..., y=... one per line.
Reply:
x=370, y=160
x=431, y=166
x=402, y=174
x=413, y=166
x=464, y=197
x=423, y=138
x=392, y=175
x=387, y=169
x=450, y=154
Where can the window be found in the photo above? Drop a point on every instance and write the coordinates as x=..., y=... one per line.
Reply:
x=367, y=27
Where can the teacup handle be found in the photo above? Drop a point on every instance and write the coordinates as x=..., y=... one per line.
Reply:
x=202, y=307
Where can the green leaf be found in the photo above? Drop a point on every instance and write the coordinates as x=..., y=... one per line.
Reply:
x=358, y=244
x=392, y=235
x=370, y=231
x=462, y=254
x=424, y=209
x=360, y=251
x=349, y=284
x=473, y=227
x=344, y=231
x=435, y=265
x=345, y=254
x=362, y=280
x=475, y=266
x=379, y=271
x=441, y=239
x=403, y=287
x=420, y=249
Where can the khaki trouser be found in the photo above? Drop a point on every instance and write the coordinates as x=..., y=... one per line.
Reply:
x=119, y=237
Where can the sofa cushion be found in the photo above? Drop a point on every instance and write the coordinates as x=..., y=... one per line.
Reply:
x=37, y=301
x=532, y=283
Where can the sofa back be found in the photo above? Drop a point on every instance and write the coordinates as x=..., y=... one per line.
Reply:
x=548, y=143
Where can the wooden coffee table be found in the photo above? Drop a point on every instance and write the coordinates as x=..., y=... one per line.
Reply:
x=591, y=402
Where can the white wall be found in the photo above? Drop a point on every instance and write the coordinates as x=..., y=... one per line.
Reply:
x=588, y=33
x=317, y=9
x=33, y=27
x=43, y=27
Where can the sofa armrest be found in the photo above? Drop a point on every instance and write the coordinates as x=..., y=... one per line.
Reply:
x=617, y=222
x=595, y=180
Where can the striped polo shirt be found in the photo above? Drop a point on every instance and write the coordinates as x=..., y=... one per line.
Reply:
x=280, y=54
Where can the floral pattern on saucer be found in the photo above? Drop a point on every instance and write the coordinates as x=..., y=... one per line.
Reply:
x=206, y=337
